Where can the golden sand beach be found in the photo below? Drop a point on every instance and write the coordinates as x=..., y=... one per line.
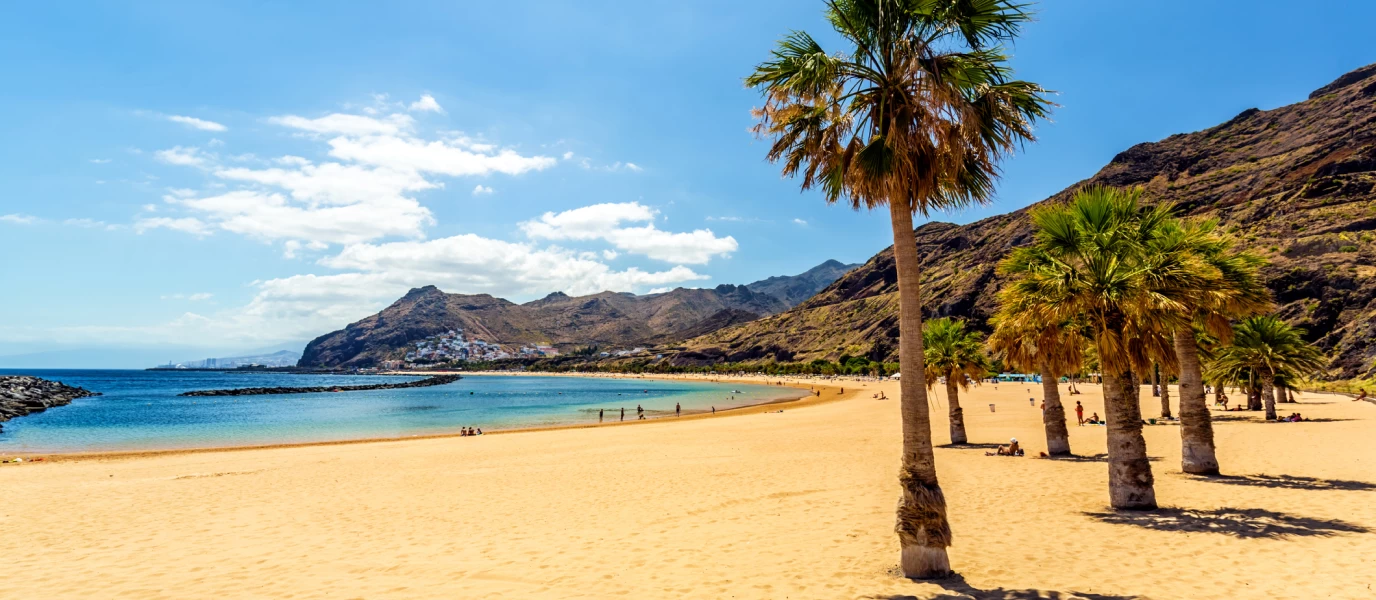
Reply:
x=749, y=504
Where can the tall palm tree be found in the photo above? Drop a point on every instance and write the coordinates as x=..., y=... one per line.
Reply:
x=1267, y=349
x=1051, y=349
x=1231, y=288
x=1123, y=269
x=914, y=115
x=953, y=352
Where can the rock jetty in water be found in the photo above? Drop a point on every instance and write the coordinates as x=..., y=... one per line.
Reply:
x=263, y=391
x=22, y=395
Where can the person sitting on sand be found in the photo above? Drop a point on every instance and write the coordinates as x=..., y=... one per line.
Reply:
x=1361, y=395
x=463, y=432
x=480, y=431
x=1094, y=419
x=1011, y=449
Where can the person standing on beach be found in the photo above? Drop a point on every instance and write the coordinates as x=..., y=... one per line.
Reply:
x=714, y=410
x=1080, y=412
x=623, y=413
x=599, y=415
x=678, y=410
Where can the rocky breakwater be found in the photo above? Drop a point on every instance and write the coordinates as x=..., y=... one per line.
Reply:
x=22, y=395
x=263, y=391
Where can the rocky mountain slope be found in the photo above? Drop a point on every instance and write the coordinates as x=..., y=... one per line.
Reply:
x=1296, y=184
x=795, y=289
x=606, y=319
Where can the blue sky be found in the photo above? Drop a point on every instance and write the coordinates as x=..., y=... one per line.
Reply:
x=237, y=175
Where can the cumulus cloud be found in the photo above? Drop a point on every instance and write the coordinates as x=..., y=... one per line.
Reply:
x=182, y=156
x=799, y=222
x=91, y=224
x=482, y=190
x=426, y=103
x=189, y=225
x=365, y=193
x=19, y=219
x=606, y=222
x=197, y=297
x=195, y=123
x=346, y=124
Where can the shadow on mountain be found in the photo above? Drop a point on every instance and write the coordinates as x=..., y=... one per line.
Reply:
x=958, y=589
x=1290, y=482
x=1249, y=523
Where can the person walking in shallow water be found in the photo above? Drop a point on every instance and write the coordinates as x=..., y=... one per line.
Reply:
x=639, y=413
x=678, y=410
x=623, y=413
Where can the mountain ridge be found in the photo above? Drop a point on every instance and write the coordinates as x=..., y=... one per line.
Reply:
x=562, y=321
x=1297, y=184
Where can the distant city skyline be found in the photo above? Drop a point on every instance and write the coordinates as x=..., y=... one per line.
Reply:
x=218, y=177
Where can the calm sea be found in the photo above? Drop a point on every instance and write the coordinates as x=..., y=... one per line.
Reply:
x=140, y=410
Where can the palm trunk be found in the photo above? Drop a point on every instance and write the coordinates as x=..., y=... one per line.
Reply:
x=1156, y=381
x=1166, y=397
x=1129, y=472
x=1290, y=393
x=957, y=414
x=1268, y=395
x=1053, y=418
x=1196, y=425
x=922, y=528
x=1253, y=393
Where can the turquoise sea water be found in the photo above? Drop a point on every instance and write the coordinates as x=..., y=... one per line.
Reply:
x=140, y=410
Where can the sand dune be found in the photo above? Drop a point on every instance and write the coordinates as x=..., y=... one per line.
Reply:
x=797, y=504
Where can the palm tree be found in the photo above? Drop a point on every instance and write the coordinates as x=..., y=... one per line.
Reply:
x=1123, y=269
x=1231, y=288
x=915, y=115
x=950, y=351
x=1267, y=349
x=1047, y=348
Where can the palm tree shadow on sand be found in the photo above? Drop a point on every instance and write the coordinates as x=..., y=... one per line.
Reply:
x=1289, y=482
x=971, y=446
x=958, y=589
x=1248, y=523
x=1101, y=458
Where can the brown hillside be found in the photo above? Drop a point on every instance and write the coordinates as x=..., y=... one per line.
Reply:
x=1296, y=184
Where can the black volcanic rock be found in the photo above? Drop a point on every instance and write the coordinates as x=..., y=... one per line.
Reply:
x=1296, y=184
x=23, y=395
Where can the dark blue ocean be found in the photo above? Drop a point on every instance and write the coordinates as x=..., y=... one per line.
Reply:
x=140, y=410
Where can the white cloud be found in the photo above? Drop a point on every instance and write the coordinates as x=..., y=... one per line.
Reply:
x=19, y=219
x=182, y=156
x=189, y=225
x=426, y=103
x=604, y=222
x=100, y=161
x=568, y=155
x=799, y=222
x=482, y=190
x=345, y=124
x=91, y=224
x=150, y=208
x=195, y=123
x=197, y=297
x=610, y=254
x=292, y=161
x=272, y=216
x=438, y=157
x=215, y=142
x=611, y=168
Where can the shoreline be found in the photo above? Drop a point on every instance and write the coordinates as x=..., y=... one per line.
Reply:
x=757, y=408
